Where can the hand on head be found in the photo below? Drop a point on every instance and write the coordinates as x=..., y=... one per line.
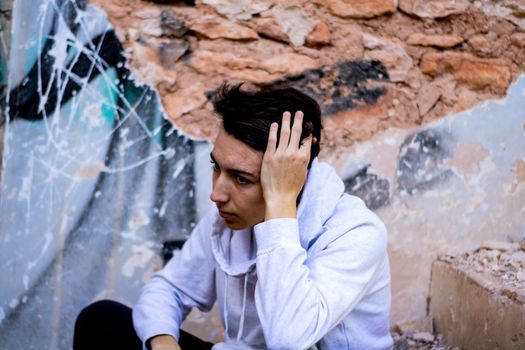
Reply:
x=285, y=166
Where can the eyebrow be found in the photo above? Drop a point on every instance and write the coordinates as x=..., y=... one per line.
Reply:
x=233, y=170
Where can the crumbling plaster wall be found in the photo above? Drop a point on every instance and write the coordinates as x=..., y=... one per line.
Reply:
x=440, y=57
x=444, y=188
x=92, y=173
x=390, y=77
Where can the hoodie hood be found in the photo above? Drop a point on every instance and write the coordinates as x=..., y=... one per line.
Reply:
x=222, y=240
x=321, y=193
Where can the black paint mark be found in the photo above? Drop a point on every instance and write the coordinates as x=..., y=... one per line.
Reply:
x=340, y=87
x=336, y=88
x=24, y=100
x=169, y=246
x=374, y=191
x=421, y=160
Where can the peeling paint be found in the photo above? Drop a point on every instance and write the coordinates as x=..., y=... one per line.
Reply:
x=138, y=220
x=140, y=257
x=483, y=150
x=477, y=202
x=519, y=169
x=519, y=176
x=467, y=160
x=89, y=171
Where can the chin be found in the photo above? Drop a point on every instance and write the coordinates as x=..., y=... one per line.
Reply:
x=236, y=225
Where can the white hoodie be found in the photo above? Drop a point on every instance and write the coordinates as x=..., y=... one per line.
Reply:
x=320, y=280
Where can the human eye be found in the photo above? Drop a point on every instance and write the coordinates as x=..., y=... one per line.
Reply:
x=241, y=180
x=214, y=165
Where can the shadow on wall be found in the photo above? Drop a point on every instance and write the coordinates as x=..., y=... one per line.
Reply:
x=95, y=177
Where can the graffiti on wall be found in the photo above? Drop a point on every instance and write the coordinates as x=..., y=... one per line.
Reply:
x=94, y=176
x=95, y=179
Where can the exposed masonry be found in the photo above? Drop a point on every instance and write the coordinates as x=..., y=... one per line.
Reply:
x=435, y=58
x=371, y=66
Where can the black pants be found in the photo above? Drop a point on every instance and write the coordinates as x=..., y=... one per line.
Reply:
x=108, y=325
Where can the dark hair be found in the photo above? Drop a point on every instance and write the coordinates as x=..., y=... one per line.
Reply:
x=248, y=115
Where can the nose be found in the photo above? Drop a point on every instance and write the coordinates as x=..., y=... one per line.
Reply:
x=219, y=193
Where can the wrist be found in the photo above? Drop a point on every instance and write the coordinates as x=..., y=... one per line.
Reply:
x=163, y=342
x=283, y=208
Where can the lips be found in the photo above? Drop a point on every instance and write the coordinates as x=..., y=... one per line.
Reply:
x=225, y=215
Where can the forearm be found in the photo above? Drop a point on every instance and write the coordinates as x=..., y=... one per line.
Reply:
x=285, y=293
x=313, y=292
x=187, y=281
x=158, y=310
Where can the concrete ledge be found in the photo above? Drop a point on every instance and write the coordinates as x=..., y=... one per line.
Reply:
x=474, y=309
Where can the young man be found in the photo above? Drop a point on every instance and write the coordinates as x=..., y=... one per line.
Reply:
x=293, y=261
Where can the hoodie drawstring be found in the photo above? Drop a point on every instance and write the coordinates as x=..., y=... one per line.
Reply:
x=225, y=308
x=241, y=325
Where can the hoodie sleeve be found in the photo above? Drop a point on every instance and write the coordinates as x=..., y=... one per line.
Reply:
x=300, y=298
x=187, y=281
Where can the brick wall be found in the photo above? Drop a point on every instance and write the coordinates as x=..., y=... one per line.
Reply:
x=440, y=57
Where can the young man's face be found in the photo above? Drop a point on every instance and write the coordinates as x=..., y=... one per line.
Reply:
x=237, y=190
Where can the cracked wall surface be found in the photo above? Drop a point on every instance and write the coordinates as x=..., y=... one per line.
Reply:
x=376, y=68
x=108, y=98
x=452, y=185
x=372, y=65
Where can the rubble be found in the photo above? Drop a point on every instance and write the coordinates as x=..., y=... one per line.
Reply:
x=504, y=261
x=477, y=299
x=502, y=265
x=420, y=341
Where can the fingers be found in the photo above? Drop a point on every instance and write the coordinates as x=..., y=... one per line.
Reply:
x=306, y=146
x=295, y=137
x=290, y=136
x=284, y=138
x=272, y=138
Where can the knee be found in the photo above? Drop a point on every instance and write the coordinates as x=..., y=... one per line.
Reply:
x=95, y=312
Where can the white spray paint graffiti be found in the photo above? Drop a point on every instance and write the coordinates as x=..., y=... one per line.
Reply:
x=88, y=163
